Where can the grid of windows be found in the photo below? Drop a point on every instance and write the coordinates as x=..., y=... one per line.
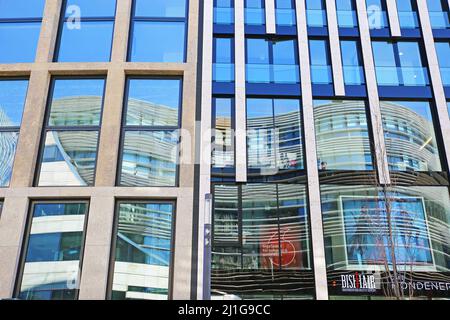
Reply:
x=159, y=22
x=20, y=24
x=151, y=132
x=86, y=31
x=72, y=127
x=12, y=100
x=51, y=267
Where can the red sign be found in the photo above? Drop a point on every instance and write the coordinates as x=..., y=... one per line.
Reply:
x=284, y=251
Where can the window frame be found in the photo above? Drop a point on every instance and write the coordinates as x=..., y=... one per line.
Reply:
x=27, y=233
x=112, y=254
x=47, y=128
x=232, y=54
x=136, y=128
x=134, y=18
x=62, y=21
x=214, y=169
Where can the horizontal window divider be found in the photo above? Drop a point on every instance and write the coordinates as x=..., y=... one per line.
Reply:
x=91, y=19
x=146, y=128
x=20, y=20
x=153, y=19
x=72, y=128
x=9, y=129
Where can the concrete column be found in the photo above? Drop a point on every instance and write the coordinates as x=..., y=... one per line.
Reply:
x=49, y=31
x=271, y=27
x=394, y=23
x=97, y=249
x=12, y=225
x=335, y=49
x=435, y=74
x=121, y=30
x=318, y=247
x=372, y=93
x=240, y=98
x=206, y=131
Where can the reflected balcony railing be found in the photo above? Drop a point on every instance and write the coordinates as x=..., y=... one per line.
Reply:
x=285, y=17
x=403, y=76
x=347, y=19
x=223, y=72
x=439, y=20
x=321, y=75
x=316, y=18
x=255, y=16
x=354, y=75
x=273, y=73
x=408, y=20
x=224, y=16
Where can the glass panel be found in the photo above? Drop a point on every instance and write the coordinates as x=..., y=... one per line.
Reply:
x=161, y=8
x=153, y=102
x=255, y=12
x=315, y=13
x=346, y=13
x=352, y=63
x=377, y=15
x=149, y=158
x=410, y=137
x=14, y=9
x=413, y=72
x=91, y=8
x=443, y=53
x=285, y=13
x=52, y=262
x=143, y=251
x=170, y=37
x=357, y=220
x=386, y=68
x=91, y=42
x=407, y=14
x=22, y=39
x=224, y=12
x=69, y=158
x=8, y=146
x=223, y=147
x=223, y=69
x=76, y=102
x=226, y=215
x=285, y=68
x=342, y=135
x=12, y=101
x=439, y=18
x=320, y=64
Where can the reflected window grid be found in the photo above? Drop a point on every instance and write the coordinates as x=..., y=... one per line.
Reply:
x=69, y=145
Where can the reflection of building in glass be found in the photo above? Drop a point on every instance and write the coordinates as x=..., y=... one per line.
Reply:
x=8, y=145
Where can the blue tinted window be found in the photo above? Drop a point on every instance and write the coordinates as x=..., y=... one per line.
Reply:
x=376, y=13
x=223, y=69
x=19, y=41
x=13, y=9
x=443, y=53
x=346, y=13
x=161, y=8
x=439, y=17
x=407, y=14
x=285, y=12
x=255, y=12
x=224, y=11
x=315, y=13
x=90, y=8
x=352, y=62
x=320, y=62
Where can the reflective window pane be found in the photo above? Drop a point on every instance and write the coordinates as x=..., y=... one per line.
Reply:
x=224, y=12
x=439, y=17
x=76, y=102
x=90, y=42
x=320, y=62
x=255, y=13
x=90, y=8
x=352, y=63
x=223, y=60
x=223, y=146
x=8, y=146
x=315, y=13
x=143, y=251
x=411, y=143
x=149, y=158
x=377, y=14
x=153, y=102
x=407, y=14
x=170, y=37
x=14, y=9
x=22, y=39
x=342, y=135
x=226, y=215
x=12, y=101
x=443, y=53
x=285, y=13
x=160, y=8
x=52, y=261
x=68, y=158
x=346, y=13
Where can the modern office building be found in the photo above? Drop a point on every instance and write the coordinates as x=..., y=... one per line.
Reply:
x=243, y=149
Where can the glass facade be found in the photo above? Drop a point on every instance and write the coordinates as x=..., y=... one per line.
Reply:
x=443, y=54
x=51, y=266
x=342, y=135
x=142, y=251
x=224, y=12
x=69, y=146
x=346, y=13
x=410, y=137
x=86, y=31
x=316, y=15
x=377, y=14
x=285, y=13
x=223, y=137
x=352, y=62
x=255, y=13
x=272, y=61
x=407, y=14
x=12, y=100
x=399, y=64
x=223, y=60
x=20, y=24
x=161, y=22
x=150, y=133
x=439, y=14
x=321, y=72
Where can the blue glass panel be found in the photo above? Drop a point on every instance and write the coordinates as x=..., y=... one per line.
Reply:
x=254, y=12
x=315, y=13
x=169, y=37
x=90, y=8
x=320, y=65
x=285, y=13
x=346, y=13
x=8, y=146
x=443, y=53
x=438, y=17
x=12, y=100
x=13, y=9
x=161, y=8
x=19, y=41
x=91, y=42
